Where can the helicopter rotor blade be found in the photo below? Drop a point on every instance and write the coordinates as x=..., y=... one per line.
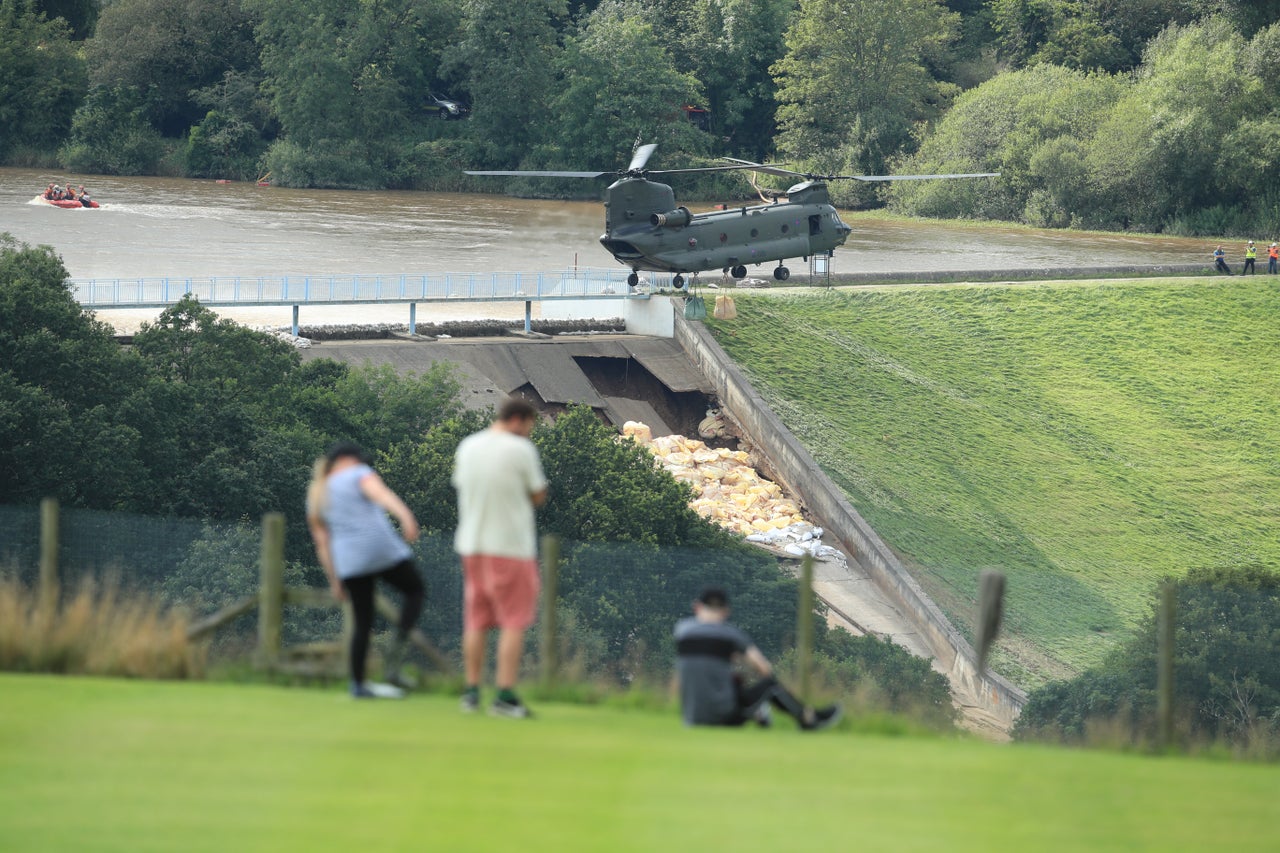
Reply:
x=701, y=169
x=908, y=177
x=641, y=156
x=767, y=168
x=541, y=174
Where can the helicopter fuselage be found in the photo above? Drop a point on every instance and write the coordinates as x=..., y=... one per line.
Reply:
x=645, y=230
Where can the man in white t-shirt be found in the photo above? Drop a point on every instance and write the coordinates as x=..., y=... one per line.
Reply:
x=500, y=482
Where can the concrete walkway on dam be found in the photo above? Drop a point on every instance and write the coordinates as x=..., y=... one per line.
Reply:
x=650, y=379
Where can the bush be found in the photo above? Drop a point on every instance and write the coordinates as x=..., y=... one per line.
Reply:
x=111, y=136
x=1226, y=671
x=222, y=146
x=326, y=165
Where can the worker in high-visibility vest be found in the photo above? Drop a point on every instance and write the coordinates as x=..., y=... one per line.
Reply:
x=1250, y=255
x=1273, y=255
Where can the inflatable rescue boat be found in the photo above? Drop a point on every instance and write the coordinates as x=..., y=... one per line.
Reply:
x=65, y=202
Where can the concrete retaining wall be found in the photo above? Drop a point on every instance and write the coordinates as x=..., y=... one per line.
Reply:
x=652, y=316
x=800, y=474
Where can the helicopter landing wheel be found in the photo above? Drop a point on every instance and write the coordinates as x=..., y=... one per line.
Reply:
x=738, y=272
x=782, y=273
x=633, y=279
x=678, y=282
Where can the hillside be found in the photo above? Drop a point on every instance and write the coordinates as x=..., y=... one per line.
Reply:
x=135, y=766
x=1084, y=438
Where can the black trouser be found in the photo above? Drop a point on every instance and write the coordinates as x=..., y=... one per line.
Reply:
x=750, y=698
x=1221, y=266
x=404, y=577
x=1248, y=266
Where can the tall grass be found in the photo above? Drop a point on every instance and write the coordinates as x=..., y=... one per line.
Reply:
x=94, y=631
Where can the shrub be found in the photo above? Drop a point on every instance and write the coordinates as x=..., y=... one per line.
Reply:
x=1226, y=672
x=111, y=136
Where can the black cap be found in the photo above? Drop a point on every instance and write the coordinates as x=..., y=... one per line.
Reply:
x=347, y=448
x=713, y=596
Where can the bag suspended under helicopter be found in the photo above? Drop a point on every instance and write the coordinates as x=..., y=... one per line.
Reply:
x=725, y=308
x=695, y=308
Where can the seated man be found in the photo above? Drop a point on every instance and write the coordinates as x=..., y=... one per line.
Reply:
x=707, y=646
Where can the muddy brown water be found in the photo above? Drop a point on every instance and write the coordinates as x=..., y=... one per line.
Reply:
x=178, y=227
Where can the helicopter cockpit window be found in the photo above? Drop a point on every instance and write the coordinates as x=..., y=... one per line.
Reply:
x=815, y=225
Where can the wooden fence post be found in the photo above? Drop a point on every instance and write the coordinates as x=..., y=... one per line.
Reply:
x=549, y=651
x=49, y=587
x=271, y=588
x=990, y=612
x=1164, y=663
x=804, y=630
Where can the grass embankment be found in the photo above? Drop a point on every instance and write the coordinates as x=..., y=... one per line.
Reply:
x=1086, y=439
x=103, y=765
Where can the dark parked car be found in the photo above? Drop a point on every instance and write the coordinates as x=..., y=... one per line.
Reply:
x=446, y=108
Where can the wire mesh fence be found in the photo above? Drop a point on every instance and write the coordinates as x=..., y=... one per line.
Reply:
x=616, y=605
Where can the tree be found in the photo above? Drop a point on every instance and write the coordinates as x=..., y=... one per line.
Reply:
x=1083, y=34
x=1157, y=156
x=618, y=84
x=853, y=83
x=80, y=15
x=110, y=135
x=42, y=79
x=1034, y=126
x=729, y=46
x=347, y=83
x=1226, y=672
x=230, y=139
x=168, y=50
x=507, y=59
x=59, y=373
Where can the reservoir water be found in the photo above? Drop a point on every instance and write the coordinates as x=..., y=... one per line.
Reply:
x=151, y=227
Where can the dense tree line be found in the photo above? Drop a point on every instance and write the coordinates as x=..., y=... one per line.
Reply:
x=1174, y=131
x=1189, y=143
x=205, y=419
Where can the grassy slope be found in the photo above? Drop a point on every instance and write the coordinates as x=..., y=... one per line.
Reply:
x=132, y=766
x=1084, y=438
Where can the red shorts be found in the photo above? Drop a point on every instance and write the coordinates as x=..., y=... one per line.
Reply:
x=499, y=592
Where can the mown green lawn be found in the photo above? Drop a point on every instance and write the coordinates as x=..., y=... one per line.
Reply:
x=90, y=764
x=1084, y=438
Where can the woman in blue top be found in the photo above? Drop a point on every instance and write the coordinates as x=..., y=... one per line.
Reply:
x=347, y=508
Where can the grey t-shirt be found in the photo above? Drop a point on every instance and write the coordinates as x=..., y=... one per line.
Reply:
x=362, y=540
x=704, y=663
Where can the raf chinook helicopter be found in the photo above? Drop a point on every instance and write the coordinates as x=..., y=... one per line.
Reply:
x=645, y=230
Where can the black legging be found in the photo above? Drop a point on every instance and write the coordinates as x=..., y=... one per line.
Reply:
x=404, y=577
x=766, y=690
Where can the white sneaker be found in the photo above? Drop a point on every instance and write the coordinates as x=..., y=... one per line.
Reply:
x=384, y=691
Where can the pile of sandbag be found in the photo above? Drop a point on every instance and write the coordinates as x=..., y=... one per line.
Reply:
x=732, y=493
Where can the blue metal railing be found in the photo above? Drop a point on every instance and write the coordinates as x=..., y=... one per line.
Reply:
x=338, y=289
